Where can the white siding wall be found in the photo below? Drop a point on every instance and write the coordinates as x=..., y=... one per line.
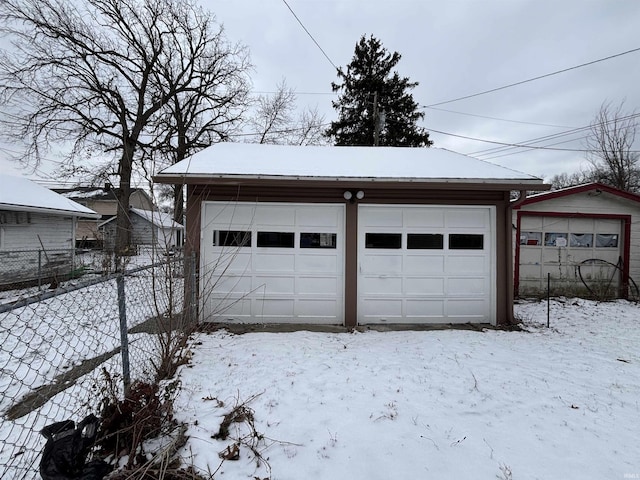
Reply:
x=604, y=203
x=143, y=233
x=22, y=242
x=55, y=232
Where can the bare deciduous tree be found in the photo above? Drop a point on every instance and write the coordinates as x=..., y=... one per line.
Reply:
x=209, y=112
x=275, y=122
x=100, y=73
x=564, y=180
x=611, y=143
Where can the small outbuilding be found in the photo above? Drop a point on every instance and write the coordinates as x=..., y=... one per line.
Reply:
x=104, y=201
x=148, y=227
x=576, y=241
x=349, y=235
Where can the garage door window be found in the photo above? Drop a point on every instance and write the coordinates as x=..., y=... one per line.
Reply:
x=581, y=240
x=317, y=240
x=606, y=240
x=463, y=241
x=383, y=240
x=231, y=238
x=425, y=241
x=275, y=239
x=531, y=238
x=555, y=239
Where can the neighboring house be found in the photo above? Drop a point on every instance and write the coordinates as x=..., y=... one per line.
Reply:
x=102, y=200
x=147, y=228
x=583, y=239
x=349, y=235
x=37, y=230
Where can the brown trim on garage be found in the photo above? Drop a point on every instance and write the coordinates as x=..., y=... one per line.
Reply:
x=351, y=265
x=375, y=193
x=504, y=285
x=626, y=245
x=453, y=184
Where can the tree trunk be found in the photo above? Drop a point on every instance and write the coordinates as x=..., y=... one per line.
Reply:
x=123, y=220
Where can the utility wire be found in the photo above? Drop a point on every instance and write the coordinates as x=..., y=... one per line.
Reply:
x=533, y=147
x=310, y=36
x=534, y=78
x=496, y=118
x=554, y=136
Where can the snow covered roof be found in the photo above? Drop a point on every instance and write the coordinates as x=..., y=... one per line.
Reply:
x=159, y=219
x=92, y=193
x=576, y=189
x=22, y=194
x=255, y=161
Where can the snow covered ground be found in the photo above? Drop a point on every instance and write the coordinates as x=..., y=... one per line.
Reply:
x=558, y=403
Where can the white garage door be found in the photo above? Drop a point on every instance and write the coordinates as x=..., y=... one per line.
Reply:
x=426, y=264
x=272, y=263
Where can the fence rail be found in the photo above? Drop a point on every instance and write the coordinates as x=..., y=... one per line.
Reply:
x=58, y=350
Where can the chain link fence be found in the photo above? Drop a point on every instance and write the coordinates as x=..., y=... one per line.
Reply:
x=43, y=268
x=29, y=268
x=60, y=348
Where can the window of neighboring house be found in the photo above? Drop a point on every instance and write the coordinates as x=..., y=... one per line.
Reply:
x=606, y=240
x=466, y=241
x=530, y=238
x=581, y=240
x=318, y=240
x=425, y=241
x=231, y=238
x=555, y=239
x=383, y=240
x=276, y=239
x=14, y=218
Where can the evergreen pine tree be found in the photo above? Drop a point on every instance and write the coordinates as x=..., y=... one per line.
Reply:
x=375, y=107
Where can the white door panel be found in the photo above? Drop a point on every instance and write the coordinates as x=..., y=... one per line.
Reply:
x=283, y=283
x=427, y=280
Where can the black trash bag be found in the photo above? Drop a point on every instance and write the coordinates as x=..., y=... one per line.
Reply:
x=65, y=453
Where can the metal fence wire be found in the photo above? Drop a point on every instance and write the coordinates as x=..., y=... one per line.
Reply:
x=27, y=268
x=57, y=348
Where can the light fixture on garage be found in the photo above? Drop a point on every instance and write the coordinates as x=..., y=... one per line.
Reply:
x=351, y=196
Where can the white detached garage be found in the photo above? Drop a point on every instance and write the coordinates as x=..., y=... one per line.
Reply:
x=349, y=235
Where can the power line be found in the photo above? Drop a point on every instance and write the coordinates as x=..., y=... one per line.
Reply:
x=553, y=136
x=496, y=118
x=532, y=147
x=534, y=78
x=260, y=92
x=310, y=36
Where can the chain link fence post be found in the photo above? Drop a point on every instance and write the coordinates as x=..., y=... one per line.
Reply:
x=124, y=339
x=39, y=269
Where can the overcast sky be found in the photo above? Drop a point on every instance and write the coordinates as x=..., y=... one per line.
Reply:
x=455, y=48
